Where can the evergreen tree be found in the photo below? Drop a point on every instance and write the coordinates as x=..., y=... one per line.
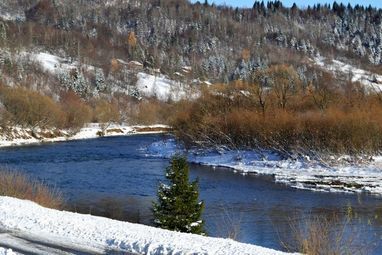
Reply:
x=178, y=207
x=100, y=80
x=3, y=32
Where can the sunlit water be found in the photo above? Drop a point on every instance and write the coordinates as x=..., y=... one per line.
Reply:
x=116, y=174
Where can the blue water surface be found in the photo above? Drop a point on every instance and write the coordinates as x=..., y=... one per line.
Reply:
x=253, y=209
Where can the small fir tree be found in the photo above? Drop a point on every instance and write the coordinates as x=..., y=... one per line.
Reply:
x=100, y=80
x=178, y=207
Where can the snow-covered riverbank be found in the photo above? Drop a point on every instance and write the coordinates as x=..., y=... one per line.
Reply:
x=101, y=235
x=4, y=251
x=16, y=136
x=302, y=173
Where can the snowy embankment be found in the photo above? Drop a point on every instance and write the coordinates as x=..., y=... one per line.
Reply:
x=302, y=173
x=99, y=235
x=4, y=251
x=23, y=136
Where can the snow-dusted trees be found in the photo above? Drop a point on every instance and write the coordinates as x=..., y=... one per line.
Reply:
x=74, y=80
x=100, y=80
x=208, y=38
x=178, y=206
x=3, y=33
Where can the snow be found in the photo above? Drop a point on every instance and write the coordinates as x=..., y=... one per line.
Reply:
x=23, y=136
x=371, y=81
x=186, y=69
x=4, y=251
x=100, y=235
x=48, y=61
x=301, y=173
x=162, y=88
x=9, y=17
x=92, y=130
x=52, y=63
x=8, y=14
x=159, y=87
x=135, y=63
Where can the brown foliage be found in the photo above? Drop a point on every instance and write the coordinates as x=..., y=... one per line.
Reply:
x=77, y=111
x=308, y=121
x=115, y=66
x=151, y=112
x=105, y=112
x=285, y=83
x=245, y=54
x=132, y=40
x=29, y=108
x=14, y=184
x=330, y=233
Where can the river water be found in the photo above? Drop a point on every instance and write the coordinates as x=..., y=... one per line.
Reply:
x=115, y=177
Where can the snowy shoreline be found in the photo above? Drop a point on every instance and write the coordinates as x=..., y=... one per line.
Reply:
x=26, y=219
x=300, y=173
x=17, y=136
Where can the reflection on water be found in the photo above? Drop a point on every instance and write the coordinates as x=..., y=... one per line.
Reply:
x=113, y=177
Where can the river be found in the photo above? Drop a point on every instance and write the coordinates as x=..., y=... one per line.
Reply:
x=115, y=177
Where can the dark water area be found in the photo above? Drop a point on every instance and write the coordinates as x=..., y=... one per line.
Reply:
x=115, y=177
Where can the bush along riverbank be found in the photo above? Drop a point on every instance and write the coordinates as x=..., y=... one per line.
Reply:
x=274, y=111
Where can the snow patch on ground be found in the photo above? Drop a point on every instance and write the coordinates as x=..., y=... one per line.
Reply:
x=302, y=173
x=52, y=63
x=102, y=234
x=371, y=81
x=94, y=130
x=7, y=14
x=23, y=136
x=4, y=251
x=163, y=88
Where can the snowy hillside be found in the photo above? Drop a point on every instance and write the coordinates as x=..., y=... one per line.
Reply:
x=158, y=86
x=371, y=81
x=100, y=235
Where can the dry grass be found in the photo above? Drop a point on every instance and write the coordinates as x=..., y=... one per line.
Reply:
x=317, y=239
x=15, y=184
x=327, y=235
x=229, y=225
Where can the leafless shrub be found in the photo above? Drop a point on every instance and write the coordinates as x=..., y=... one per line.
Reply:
x=229, y=224
x=15, y=184
x=327, y=234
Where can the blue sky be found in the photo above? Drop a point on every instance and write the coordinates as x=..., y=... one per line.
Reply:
x=302, y=3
